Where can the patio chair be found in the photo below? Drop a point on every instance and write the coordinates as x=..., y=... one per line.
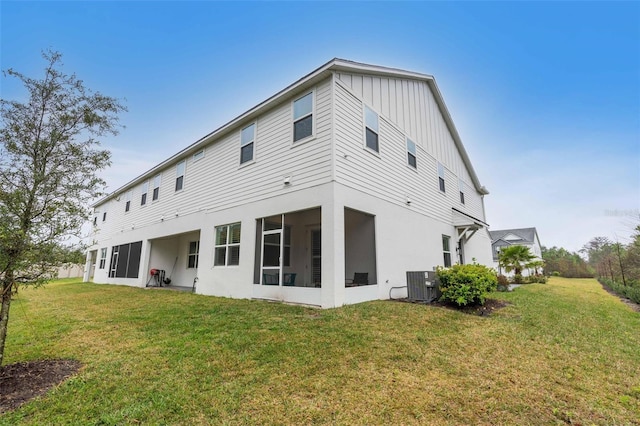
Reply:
x=270, y=279
x=359, y=278
x=289, y=279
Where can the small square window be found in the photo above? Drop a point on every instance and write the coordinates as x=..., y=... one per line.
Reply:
x=198, y=155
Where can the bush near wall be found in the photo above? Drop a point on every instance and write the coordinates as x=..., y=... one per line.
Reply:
x=630, y=291
x=466, y=284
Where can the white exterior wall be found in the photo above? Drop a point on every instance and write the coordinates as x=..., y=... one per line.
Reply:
x=218, y=182
x=332, y=171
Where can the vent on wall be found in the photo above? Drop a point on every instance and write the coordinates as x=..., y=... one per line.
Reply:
x=422, y=286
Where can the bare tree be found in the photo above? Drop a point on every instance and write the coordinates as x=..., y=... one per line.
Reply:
x=49, y=159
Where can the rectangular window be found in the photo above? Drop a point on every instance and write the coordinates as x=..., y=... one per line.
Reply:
x=247, y=137
x=441, y=177
x=156, y=187
x=103, y=257
x=104, y=216
x=125, y=260
x=461, y=183
x=180, y=168
x=194, y=251
x=198, y=155
x=180, y=175
x=127, y=201
x=371, y=129
x=227, y=247
x=411, y=154
x=95, y=221
x=446, y=244
x=144, y=190
x=303, y=117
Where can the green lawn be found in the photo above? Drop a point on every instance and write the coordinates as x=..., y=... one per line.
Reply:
x=563, y=353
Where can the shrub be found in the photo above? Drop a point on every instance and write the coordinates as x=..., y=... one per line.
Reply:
x=517, y=279
x=466, y=284
x=630, y=291
x=503, y=283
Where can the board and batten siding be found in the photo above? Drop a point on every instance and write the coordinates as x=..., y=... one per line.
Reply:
x=410, y=105
x=387, y=175
x=218, y=181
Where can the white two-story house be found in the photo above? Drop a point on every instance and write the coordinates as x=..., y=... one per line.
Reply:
x=325, y=194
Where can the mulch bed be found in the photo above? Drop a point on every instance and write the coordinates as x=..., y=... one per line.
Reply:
x=490, y=305
x=23, y=381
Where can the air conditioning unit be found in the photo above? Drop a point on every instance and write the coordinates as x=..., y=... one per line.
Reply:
x=422, y=286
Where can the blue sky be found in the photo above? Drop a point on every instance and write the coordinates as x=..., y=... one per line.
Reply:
x=545, y=95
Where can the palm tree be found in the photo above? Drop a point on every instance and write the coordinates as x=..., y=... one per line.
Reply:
x=515, y=258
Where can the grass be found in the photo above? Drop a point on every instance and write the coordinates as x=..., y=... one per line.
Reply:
x=563, y=353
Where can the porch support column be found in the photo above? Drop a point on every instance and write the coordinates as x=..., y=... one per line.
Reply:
x=145, y=257
x=87, y=268
x=332, y=254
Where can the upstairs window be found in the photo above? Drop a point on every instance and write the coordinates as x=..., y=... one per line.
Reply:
x=192, y=258
x=227, y=250
x=371, y=129
x=144, y=189
x=461, y=191
x=95, y=220
x=247, y=138
x=441, y=177
x=446, y=244
x=412, y=158
x=127, y=201
x=180, y=175
x=303, y=117
x=156, y=187
x=198, y=155
x=104, y=216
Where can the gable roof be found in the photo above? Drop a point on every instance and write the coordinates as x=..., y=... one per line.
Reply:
x=308, y=80
x=528, y=235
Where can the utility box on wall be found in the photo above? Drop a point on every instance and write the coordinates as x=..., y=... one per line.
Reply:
x=422, y=286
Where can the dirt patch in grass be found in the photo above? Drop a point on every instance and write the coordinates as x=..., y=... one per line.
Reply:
x=485, y=310
x=23, y=381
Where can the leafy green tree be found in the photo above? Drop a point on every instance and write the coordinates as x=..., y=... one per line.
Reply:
x=564, y=263
x=515, y=258
x=49, y=159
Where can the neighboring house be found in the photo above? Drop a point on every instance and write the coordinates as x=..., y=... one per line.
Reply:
x=325, y=194
x=527, y=237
